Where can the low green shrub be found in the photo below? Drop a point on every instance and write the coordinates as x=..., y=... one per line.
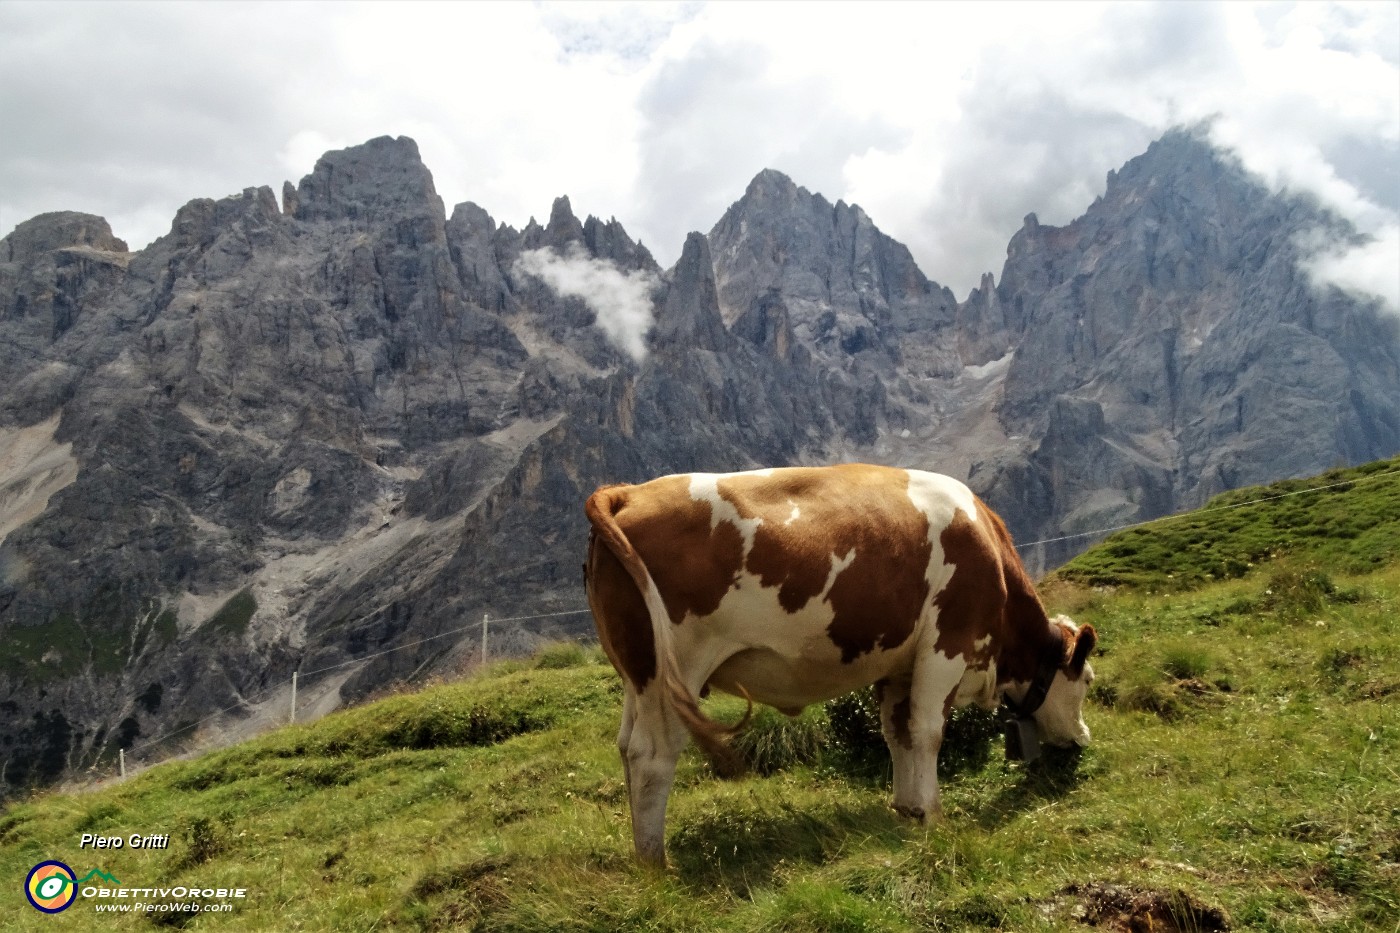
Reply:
x=1297, y=592
x=857, y=743
x=563, y=654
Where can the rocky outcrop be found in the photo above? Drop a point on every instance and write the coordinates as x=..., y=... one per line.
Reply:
x=690, y=315
x=48, y=233
x=55, y=270
x=297, y=435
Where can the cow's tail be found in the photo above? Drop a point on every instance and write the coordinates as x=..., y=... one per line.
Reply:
x=712, y=737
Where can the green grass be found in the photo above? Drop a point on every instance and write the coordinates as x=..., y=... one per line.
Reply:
x=58, y=648
x=102, y=638
x=1245, y=762
x=63, y=647
x=233, y=616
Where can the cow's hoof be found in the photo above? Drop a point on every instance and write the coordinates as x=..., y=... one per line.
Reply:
x=914, y=813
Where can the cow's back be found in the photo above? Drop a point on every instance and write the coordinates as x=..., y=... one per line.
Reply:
x=815, y=567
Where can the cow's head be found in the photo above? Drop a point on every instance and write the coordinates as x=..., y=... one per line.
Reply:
x=1050, y=708
x=1060, y=719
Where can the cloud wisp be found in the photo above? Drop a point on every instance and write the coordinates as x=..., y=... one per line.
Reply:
x=621, y=300
x=1369, y=270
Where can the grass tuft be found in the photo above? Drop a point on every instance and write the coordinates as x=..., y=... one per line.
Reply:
x=773, y=742
x=1301, y=592
x=565, y=654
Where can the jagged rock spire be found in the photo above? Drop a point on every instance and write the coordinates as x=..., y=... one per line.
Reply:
x=690, y=314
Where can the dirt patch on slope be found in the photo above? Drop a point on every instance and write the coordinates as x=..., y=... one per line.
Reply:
x=1126, y=909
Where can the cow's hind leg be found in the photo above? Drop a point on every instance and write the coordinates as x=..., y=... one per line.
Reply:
x=653, y=747
x=624, y=732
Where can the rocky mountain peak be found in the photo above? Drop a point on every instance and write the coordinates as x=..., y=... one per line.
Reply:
x=1174, y=311
x=609, y=240
x=57, y=272
x=1180, y=158
x=469, y=216
x=846, y=285
x=378, y=180
x=771, y=185
x=472, y=237
x=197, y=223
x=59, y=230
x=563, y=227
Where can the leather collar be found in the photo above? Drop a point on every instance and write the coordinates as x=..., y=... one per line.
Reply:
x=1035, y=696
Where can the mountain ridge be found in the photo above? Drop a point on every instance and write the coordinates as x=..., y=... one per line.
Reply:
x=371, y=418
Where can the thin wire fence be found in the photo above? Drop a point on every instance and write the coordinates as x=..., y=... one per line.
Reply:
x=267, y=692
x=299, y=678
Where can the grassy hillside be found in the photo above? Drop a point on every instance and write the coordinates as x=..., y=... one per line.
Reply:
x=1346, y=521
x=1245, y=775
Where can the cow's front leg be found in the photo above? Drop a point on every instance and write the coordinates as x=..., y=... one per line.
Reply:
x=649, y=761
x=918, y=731
x=895, y=720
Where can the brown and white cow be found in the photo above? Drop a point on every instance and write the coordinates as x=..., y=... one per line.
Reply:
x=793, y=586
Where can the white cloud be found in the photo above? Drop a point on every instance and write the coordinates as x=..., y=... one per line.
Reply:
x=621, y=300
x=1370, y=270
x=624, y=34
x=1047, y=109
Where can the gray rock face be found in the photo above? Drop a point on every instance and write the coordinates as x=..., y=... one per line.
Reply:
x=371, y=183
x=251, y=391
x=293, y=436
x=690, y=315
x=1177, y=305
x=848, y=288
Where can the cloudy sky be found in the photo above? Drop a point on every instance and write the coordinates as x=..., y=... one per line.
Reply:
x=946, y=122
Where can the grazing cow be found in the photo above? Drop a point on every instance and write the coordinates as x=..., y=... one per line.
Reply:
x=793, y=586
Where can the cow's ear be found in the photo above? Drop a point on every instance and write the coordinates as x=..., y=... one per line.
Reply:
x=1084, y=643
